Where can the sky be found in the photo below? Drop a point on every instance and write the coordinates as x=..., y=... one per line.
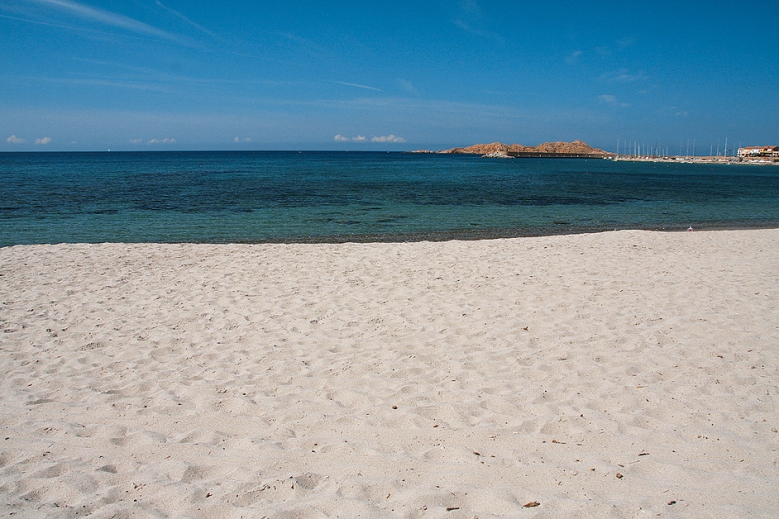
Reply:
x=348, y=75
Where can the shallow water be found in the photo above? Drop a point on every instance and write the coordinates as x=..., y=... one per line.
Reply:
x=220, y=197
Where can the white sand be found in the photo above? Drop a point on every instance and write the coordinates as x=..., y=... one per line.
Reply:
x=624, y=374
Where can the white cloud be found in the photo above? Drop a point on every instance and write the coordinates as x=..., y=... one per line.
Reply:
x=245, y=139
x=44, y=140
x=135, y=141
x=341, y=138
x=162, y=141
x=388, y=138
x=362, y=138
x=13, y=139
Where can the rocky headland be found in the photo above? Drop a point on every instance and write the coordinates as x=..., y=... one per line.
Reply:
x=498, y=148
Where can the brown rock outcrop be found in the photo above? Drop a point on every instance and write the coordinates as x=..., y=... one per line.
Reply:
x=577, y=147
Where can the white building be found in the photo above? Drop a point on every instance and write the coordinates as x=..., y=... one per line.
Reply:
x=759, y=151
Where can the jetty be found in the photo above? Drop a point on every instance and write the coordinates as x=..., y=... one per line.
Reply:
x=547, y=155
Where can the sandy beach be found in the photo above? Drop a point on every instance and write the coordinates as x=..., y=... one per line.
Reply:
x=621, y=374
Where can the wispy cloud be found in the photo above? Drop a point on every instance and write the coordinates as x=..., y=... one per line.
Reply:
x=103, y=17
x=467, y=27
x=407, y=86
x=166, y=140
x=624, y=76
x=245, y=139
x=308, y=46
x=434, y=107
x=673, y=111
x=135, y=141
x=471, y=8
x=134, y=85
x=185, y=19
x=358, y=86
x=611, y=100
x=147, y=74
x=13, y=139
x=49, y=24
x=471, y=18
x=573, y=57
x=44, y=140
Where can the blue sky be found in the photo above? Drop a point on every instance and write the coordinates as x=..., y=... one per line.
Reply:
x=176, y=74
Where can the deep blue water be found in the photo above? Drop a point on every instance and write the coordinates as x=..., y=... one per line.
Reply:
x=222, y=197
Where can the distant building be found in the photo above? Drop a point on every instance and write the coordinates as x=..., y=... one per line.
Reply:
x=759, y=151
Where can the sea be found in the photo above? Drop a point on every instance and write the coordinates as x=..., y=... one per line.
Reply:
x=309, y=197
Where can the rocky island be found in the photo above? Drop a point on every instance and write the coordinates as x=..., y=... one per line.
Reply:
x=547, y=149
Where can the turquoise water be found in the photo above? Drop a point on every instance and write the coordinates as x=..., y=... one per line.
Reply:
x=219, y=197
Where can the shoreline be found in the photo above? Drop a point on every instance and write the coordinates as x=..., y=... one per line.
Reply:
x=443, y=236
x=606, y=374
